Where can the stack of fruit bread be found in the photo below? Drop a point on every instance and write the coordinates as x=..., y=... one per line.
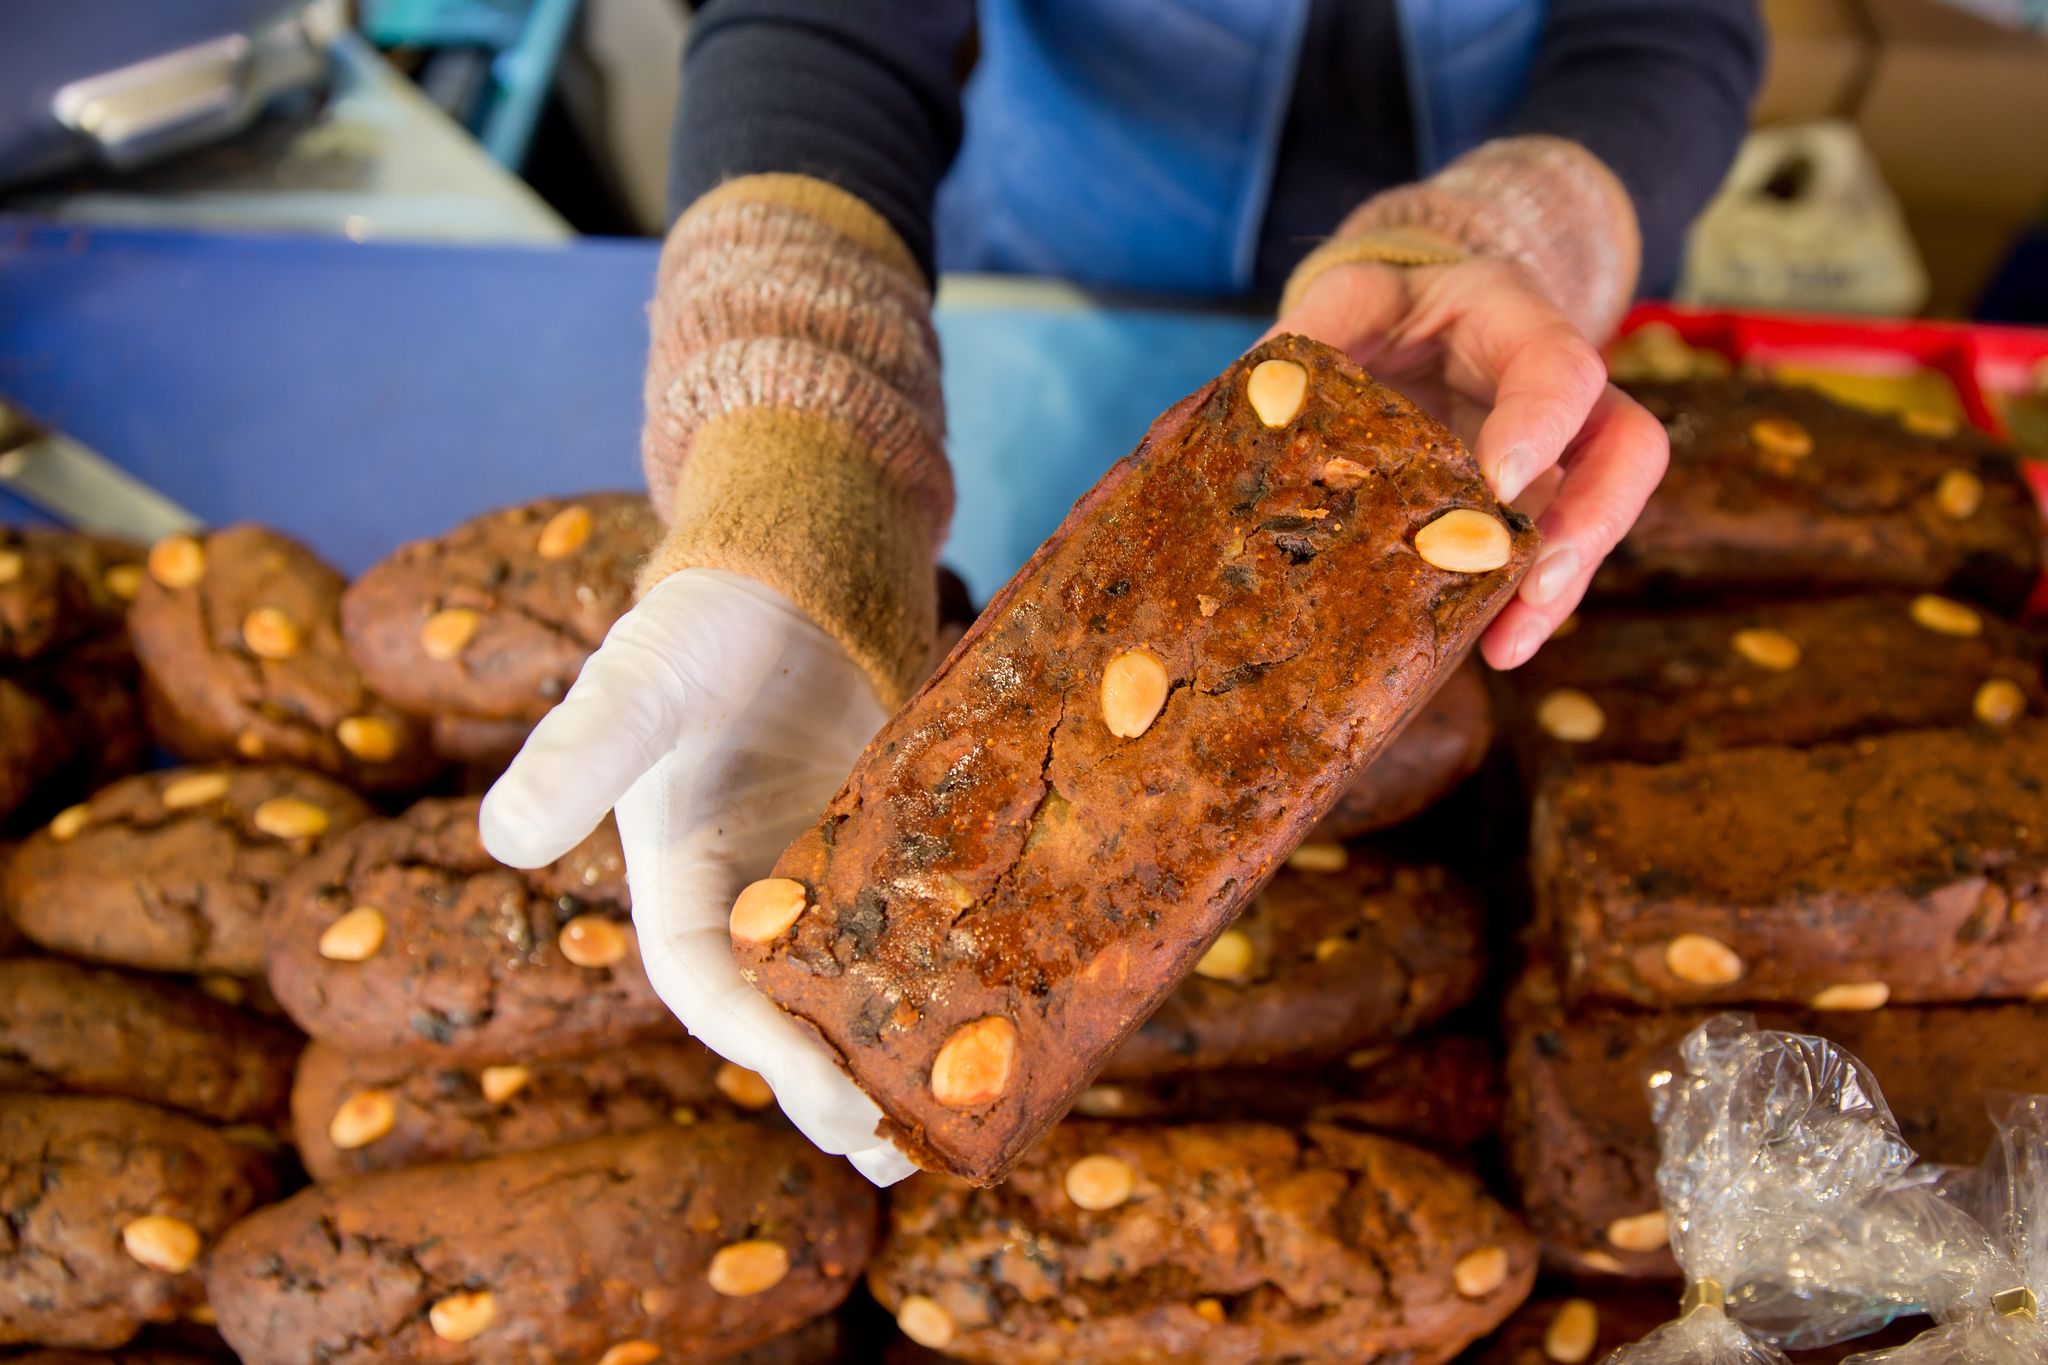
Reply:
x=291, y=1071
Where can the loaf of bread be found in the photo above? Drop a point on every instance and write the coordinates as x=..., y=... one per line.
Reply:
x=698, y=1242
x=1440, y=747
x=108, y=1208
x=1650, y=687
x=1126, y=744
x=1225, y=1242
x=1345, y=948
x=66, y=1027
x=1904, y=867
x=1584, y=1148
x=1778, y=491
x=352, y=1114
x=404, y=936
x=1441, y=1091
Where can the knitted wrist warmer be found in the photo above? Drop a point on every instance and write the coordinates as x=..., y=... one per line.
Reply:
x=1543, y=201
x=794, y=424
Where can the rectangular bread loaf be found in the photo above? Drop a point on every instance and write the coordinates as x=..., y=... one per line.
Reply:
x=1124, y=746
x=1904, y=867
x=1584, y=1148
x=1654, y=686
x=1777, y=491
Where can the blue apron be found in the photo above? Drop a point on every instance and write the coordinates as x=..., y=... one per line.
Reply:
x=1130, y=144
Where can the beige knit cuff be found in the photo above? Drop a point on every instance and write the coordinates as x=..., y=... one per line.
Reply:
x=1543, y=201
x=794, y=500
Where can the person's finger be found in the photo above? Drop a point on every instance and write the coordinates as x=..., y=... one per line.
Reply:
x=1611, y=471
x=1351, y=307
x=1547, y=379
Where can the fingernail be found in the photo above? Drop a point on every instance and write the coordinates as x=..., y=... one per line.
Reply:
x=1552, y=575
x=1512, y=474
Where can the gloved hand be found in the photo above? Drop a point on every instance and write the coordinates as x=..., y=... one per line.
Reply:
x=719, y=720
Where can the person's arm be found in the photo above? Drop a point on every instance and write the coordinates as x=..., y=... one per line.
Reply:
x=1483, y=289
x=794, y=427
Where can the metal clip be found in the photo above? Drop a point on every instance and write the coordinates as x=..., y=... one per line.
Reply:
x=2017, y=1302
x=1701, y=1295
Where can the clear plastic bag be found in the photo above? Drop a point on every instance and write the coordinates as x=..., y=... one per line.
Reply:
x=1797, y=1210
x=1992, y=1312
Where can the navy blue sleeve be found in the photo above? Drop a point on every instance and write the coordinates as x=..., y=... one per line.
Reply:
x=862, y=93
x=1660, y=91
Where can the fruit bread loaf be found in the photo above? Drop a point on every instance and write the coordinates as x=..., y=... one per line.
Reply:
x=352, y=1114
x=405, y=937
x=1126, y=744
x=1584, y=1149
x=1907, y=867
x=66, y=1027
x=170, y=871
x=109, y=1207
x=239, y=636
x=494, y=619
x=1345, y=948
x=1441, y=1091
x=1653, y=686
x=1440, y=747
x=1782, y=492
x=676, y=1244
x=1205, y=1242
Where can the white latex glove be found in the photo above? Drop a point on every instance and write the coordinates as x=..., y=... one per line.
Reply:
x=719, y=721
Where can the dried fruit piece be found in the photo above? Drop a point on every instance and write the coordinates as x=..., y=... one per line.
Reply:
x=1276, y=389
x=635, y=1352
x=177, y=561
x=1229, y=958
x=373, y=739
x=1703, y=961
x=1320, y=857
x=1959, y=494
x=122, y=581
x=1463, y=540
x=462, y=1317
x=1570, y=715
x=565, y=532
x=1210, y=1311
x=1781, y=439
x=1766, y=648
x=448, y=632
x=745, y=1268
x=69, y=821
x=1134, y=687
x=925, y=1322
x=1573, y=1332
x=362, y=1118
x=765, y=909
x=743, y=1087
x=1100, y=1182
x=355, y=936
x=974, y=1064
x=1945, y=616
x=1479, y=1273
x=289, y=817
x=161, y=1242
x=501, y=1083
x=11, y=565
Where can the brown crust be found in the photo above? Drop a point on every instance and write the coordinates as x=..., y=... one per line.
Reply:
x=1318, y=1246
x=1579, y=1131
x=441, y=1113
x=210, y=697
x=540, y=618
x=65, y=1027
x=1099, y=869
x=170, y=890
x=1440, y=1091
x=73, y=1173
x=470, y=968
x=575, y=1244
x=1915, y=859
x=1439, y=748
x=1858, y=513
x=1669, y=684
x=1342, y=960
